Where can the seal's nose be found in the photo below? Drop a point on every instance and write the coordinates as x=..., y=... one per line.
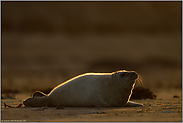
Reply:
x=134, y=75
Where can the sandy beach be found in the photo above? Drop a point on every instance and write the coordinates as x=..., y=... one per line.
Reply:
x=46, y=43
x=163, y=109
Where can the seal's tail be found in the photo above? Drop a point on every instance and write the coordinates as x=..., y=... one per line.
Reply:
x=37, y=101
x=38, y=94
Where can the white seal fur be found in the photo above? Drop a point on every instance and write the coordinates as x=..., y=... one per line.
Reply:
x=90, y=90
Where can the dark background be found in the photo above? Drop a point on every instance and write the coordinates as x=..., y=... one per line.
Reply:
x=46, y=43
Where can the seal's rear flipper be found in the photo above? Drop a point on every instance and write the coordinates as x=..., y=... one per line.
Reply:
x=37, y=101
x=38, y=94
x=133, y=104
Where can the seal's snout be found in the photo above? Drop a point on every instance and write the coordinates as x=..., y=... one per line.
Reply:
x=134, y=75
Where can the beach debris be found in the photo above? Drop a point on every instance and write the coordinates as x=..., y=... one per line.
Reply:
x=175, y=96
x=5, y=105
x=142, y=93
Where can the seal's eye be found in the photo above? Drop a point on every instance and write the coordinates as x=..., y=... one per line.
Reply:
x=122, y=74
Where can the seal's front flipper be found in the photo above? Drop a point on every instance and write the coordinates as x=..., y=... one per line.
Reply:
x=133, y=104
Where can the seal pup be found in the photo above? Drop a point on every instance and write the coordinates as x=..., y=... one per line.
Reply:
x=90, y=90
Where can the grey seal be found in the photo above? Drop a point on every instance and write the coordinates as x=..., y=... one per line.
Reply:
x=90, y=90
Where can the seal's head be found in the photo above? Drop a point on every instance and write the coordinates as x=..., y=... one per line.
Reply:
x=127, y=77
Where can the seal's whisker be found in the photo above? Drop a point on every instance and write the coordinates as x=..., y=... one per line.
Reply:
x=139, y=80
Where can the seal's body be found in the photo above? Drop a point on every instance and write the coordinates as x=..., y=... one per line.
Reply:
x=90, y=89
